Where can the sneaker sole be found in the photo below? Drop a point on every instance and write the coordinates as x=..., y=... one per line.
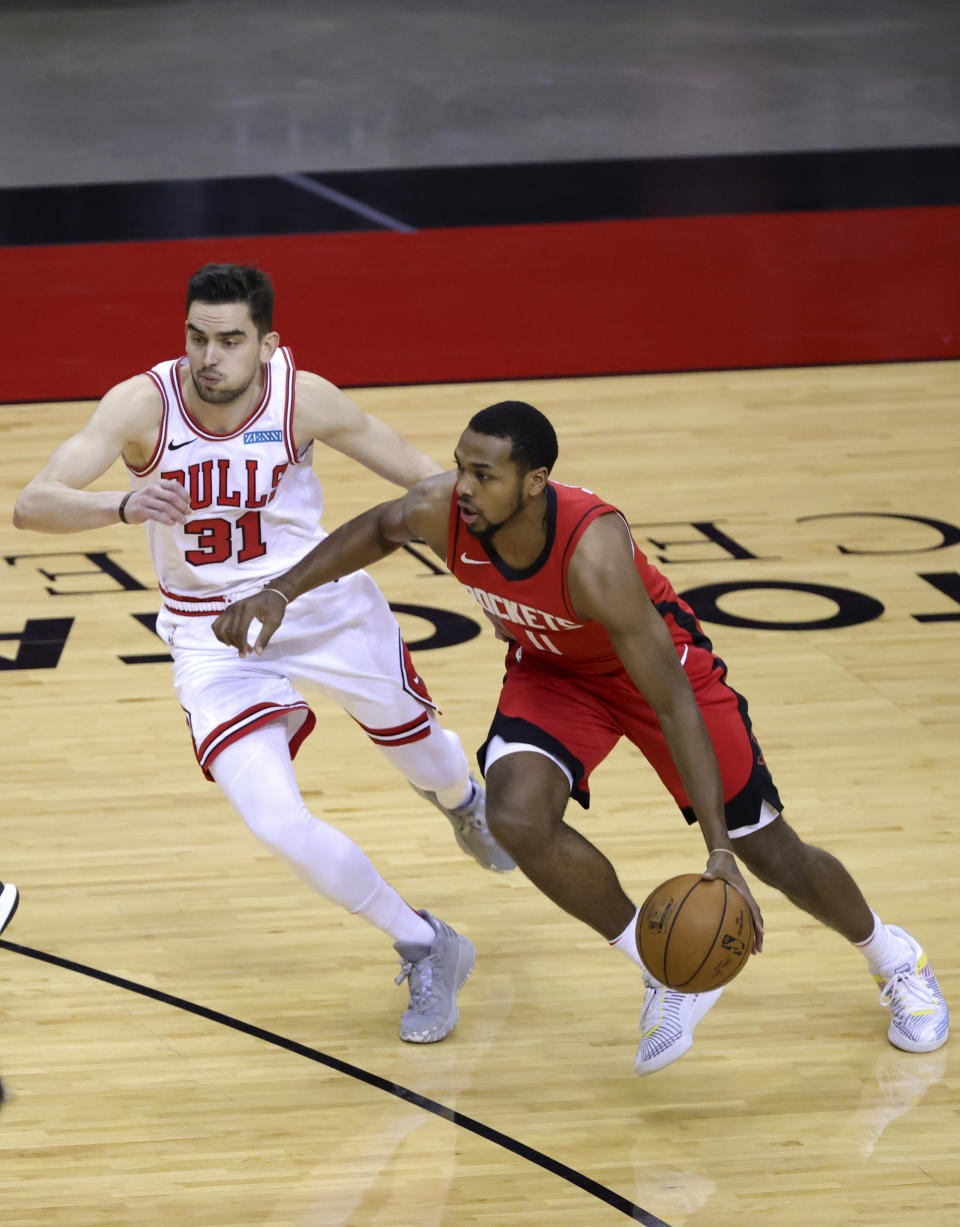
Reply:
x=435, y=1034
x=898, y=1041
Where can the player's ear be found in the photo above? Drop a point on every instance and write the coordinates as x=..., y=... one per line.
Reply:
x=268, y=345
x=536, y=481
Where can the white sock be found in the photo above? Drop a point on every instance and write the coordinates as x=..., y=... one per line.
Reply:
x=390, y=912
x=626, y=943
x=883, y=950
x=455, y=797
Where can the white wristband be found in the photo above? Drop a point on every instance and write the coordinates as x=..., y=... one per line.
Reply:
x=285, y=599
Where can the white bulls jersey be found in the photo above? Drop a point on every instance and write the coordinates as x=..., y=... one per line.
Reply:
x=257, y=502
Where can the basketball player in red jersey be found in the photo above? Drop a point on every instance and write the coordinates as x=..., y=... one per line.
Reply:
x=602, y=647
x=218, y=446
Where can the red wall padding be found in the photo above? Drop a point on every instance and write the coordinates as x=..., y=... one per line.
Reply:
x=493, y=302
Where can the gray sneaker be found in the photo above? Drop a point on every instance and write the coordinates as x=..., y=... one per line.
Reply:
x=435, y=975
x=470, y=828
x=9, y=898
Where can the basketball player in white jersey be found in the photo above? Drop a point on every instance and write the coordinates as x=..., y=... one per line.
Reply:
x=218, y=448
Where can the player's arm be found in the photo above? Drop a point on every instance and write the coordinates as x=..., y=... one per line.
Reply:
x=421, y=514
x=325, y=413
x=606, y=587
x=56, y=500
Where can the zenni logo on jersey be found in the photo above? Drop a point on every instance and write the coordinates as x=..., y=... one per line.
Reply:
x=263, y=436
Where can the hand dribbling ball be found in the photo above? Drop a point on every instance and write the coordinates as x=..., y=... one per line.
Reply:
x=694, y=935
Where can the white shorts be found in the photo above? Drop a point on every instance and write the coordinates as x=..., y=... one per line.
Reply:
x=341, y=637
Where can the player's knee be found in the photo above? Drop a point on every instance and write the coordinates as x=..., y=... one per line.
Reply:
x=520, y=819
x=775, y=854
x=279, y=827
x=519, y=830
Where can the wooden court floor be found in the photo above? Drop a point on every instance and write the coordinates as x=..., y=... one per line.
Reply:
x=189, y=1037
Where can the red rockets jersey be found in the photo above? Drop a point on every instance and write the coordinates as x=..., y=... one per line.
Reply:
x=533, y=605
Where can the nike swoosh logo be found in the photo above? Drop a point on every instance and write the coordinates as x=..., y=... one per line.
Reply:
x=172, y=447
x=475, y=562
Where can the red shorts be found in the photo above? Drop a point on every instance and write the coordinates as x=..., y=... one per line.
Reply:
x=579, y=718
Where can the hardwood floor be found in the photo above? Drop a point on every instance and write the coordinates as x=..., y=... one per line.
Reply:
x=174, y=1003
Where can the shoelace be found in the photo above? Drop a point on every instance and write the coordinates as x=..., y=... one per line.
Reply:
x=646, y=1014
x=908, y=991
x=421, y=984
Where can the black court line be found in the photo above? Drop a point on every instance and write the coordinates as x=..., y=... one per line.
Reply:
x=556, y=1168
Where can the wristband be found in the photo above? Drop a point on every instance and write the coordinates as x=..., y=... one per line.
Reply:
x=729, y=851
x=285, y=599
x=123, y=502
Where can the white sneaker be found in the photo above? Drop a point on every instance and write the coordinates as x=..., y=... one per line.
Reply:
x=667, y=1022
x=920, y=1019
x=9, y=898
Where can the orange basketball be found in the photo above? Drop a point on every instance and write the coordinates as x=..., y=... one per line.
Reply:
x=694, y=935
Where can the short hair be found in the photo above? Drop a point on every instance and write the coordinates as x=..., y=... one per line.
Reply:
x=533, y=441
x=223, y=283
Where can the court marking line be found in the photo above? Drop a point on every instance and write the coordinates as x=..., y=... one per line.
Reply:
x=487, y=1132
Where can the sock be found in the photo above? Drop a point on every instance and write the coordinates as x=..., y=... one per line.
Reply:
x=626, y=943
x=455, y=797
x=883, y=950
x=390, y=912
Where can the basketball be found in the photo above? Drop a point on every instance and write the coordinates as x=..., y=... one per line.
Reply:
x=694, y=935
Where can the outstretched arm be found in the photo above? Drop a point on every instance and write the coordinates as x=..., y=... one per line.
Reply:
x=421, y=514
x=325, y=413
x=126, y=420
x=606, y=587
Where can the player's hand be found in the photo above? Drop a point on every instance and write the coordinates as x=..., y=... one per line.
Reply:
x=165, y=501
x=721, y=864
x=498, y=628
x=232, y=627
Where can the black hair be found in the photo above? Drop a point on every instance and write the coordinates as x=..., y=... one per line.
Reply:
x=533, y=441
x=222, y=283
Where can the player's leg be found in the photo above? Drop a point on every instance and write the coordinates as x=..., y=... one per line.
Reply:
x=527, y=794
x=256, y=775
x=246, y=721
x=370, y=672
x=815, y=881
x=811, y=878
x=436, y=767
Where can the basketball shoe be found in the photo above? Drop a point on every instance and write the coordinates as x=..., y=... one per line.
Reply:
x=9, y=898
x=667, y=1021
x=920, y=1018
x=435, y=974
x=469, y=823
